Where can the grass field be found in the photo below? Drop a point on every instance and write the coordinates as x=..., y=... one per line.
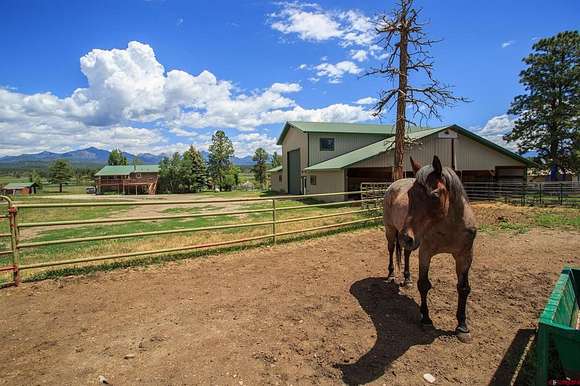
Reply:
x=54, y=252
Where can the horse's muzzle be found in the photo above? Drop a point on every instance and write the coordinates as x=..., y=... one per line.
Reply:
x=409, y=243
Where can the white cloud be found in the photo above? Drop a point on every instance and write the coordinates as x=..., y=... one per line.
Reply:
x=132, y=102
x=507, y=44
x=310, y=22
x=246, y=144
x=335, y=72
x=366, y=101
x=307, y=21
x=496, y=128
x=359, y=55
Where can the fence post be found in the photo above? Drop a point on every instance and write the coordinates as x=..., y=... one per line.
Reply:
x=524, y=191
x=274, y=221
x=12, y=211
x=541, y=186
x=561, y=193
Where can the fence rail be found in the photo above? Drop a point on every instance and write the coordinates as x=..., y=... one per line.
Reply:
x=17, y=245
x=533, y=193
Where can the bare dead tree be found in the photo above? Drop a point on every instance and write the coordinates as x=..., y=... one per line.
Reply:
x=402, y=36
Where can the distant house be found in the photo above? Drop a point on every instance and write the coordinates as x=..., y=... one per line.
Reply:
x=19, y=188
x=276, y=179
x=335, y=157
x=129, y=179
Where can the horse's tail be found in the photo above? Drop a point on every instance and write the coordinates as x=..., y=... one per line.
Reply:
x=398, y=251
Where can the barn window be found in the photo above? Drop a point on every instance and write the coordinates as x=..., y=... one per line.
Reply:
x=280, y=178
x=312, y=180
x=326, y=144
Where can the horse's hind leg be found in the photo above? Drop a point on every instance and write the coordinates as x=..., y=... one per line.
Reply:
x=462, y=265
x=407, y=272
x=391, y=241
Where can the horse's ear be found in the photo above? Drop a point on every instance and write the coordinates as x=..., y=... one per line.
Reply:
x=415, y=165
x=437, y=165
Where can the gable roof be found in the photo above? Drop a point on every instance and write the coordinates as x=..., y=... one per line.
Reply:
x=19, y=185
x=336, y=127
x=125, y=170
x=387, y=144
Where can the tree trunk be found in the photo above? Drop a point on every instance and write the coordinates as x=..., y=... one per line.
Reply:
x=60, y=188
x=401, y=107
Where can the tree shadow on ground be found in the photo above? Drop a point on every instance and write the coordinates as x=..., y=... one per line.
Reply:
x=396, y=320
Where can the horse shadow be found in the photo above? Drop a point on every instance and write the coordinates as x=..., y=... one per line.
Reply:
x=396, y=320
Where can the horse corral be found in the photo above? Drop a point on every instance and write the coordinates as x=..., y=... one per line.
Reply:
x=318, y=311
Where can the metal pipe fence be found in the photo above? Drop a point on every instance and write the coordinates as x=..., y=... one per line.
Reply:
x=531, y=193
x=17, y=245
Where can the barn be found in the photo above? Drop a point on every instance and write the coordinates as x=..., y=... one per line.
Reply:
x=127, y=179
x=322, y=157
x=19, y=188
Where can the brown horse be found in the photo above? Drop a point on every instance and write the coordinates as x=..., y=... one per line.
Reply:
x=431, y=212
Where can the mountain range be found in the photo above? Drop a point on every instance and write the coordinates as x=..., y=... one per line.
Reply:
x=92, y=157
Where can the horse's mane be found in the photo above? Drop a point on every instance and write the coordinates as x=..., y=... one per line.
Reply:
x=452, y=182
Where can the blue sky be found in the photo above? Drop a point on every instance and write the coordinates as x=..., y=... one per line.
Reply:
x=156, y=76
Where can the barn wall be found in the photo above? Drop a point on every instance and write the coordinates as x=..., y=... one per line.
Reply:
x=276, y=184
x=294, y=139
x=472, y=155
x=469, y=155
x=326, y=182
x=343, y=143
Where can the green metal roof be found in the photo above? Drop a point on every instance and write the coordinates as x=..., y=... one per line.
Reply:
x=18, y=185
x=384, y=145
x=276, y=169
x=336, y=127
x=367, y=152
x=125, y=170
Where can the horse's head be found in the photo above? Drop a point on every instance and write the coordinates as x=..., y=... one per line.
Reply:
x=429, y=198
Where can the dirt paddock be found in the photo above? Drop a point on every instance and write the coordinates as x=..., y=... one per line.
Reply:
x=315, y=312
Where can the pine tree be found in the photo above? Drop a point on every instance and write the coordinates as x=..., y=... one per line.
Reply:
x=199, y=170
x=36, y=178
x=260, y=158
x=60, y=172
x=548, y=113
x=116, y=157
x=403, y=37
x=276, y=159
x=220, y=153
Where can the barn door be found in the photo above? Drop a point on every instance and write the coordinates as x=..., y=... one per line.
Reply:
x=294, y=172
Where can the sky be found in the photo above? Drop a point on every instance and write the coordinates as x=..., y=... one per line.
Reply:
x=157, y=76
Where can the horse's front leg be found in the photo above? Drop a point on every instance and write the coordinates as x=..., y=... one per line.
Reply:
x=407, y=272
x=462, y=266
x=424, y=285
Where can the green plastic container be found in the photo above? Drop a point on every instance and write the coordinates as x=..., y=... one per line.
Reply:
x=558, y=326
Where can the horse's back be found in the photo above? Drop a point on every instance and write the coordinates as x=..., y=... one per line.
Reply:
x=396, y=203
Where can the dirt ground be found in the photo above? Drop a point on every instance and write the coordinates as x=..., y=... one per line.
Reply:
x=315, y=312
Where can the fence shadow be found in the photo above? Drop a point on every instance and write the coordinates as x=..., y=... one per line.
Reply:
x=396, y=320
x=509, y=371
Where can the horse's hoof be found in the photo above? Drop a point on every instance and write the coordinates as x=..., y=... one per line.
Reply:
x=391, y=278
x=463, y=335
x=426, y=323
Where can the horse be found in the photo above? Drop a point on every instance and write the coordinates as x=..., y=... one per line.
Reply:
x=431, y=213
x=394, y=212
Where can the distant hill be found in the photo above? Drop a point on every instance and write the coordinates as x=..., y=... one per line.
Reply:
x=89, y=157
